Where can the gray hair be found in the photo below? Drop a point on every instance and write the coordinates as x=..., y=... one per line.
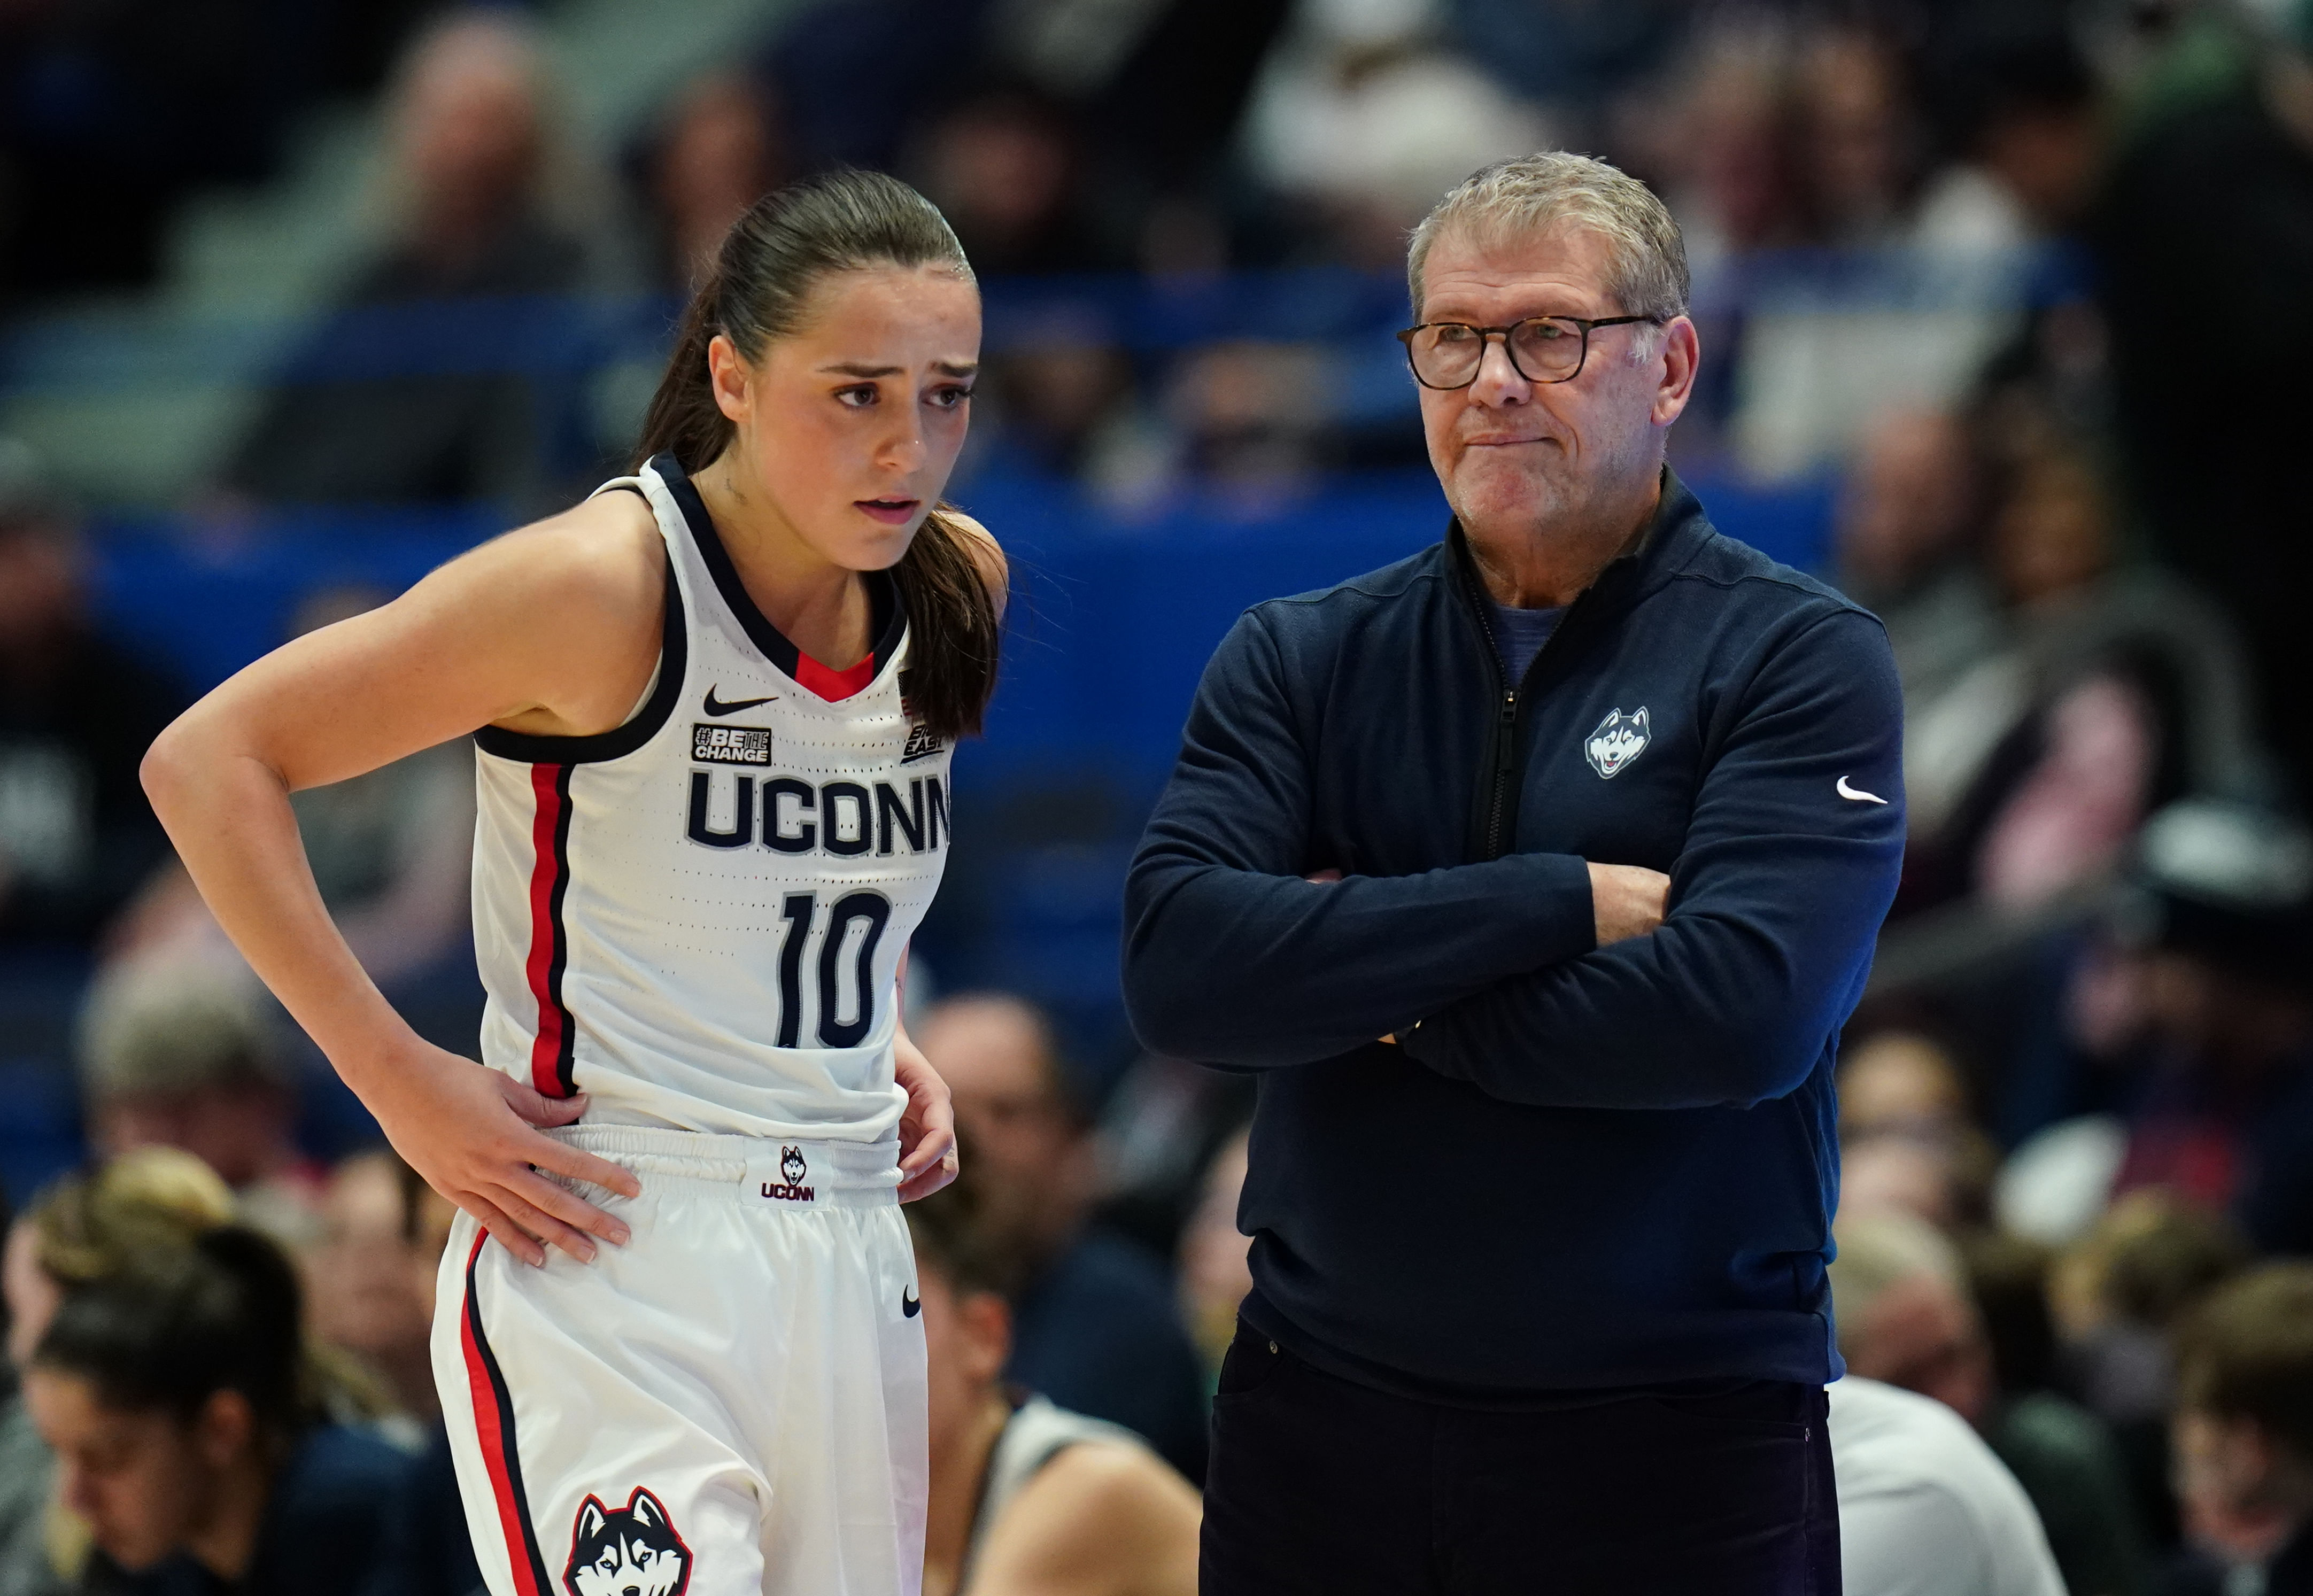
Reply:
x=1878, y=1251
x=169, y=1026
x=1648, y=276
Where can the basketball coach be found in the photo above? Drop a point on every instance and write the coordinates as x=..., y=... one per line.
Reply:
x=1590, y=815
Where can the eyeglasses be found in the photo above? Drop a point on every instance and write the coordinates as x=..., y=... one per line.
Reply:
x=1542, y=348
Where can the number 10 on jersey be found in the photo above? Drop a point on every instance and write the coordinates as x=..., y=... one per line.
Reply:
x=854, y=924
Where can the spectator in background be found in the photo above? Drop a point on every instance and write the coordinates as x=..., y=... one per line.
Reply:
x=2064, y=1457
x=1902, y=545
x=1360, y=119
x=2207, y=202
x=1716, y=141
x=1164, y=123
x=720, y=150
x=1059, y=402
x=1579, y=59
x=81, y=1228
x=1724, y=148
x=1906, y=1323
x=76, y=712
x=1924, y=1508
x=392, y=854
x=1250, y=418
x=1003, y=166
x=852, y=77
x=1904, y=1314
x=1215, y=1275
x=170, y=1392
x=2033, y=128
x=1096, y=1325
x=443, y=413
x=1906, y=1140
x=1897, y=1083
x=2205, y=1058
x=2225, y=1115
x=372, y=1284
x=1027, y=1496
x=2097, y=693
x=181, y=1053
x=1858, y=138
x=1163, y=1126
x=372, y=1275
x=2244, y=1434
x=2118, y=1296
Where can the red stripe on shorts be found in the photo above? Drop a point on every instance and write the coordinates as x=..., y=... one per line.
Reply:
x=550, y=1052
x=494, y=1427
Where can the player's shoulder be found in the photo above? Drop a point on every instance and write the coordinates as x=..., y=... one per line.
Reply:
x=1101, y=1498
x=602, y=557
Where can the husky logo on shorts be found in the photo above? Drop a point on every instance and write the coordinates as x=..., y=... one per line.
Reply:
x=629, y=1551
x=1618, y=739
x=789, y=1187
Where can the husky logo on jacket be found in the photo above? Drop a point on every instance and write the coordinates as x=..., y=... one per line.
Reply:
x=1618, y=739
x=628, y=1551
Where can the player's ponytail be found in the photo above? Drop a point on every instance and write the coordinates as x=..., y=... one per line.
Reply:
x=758, y=289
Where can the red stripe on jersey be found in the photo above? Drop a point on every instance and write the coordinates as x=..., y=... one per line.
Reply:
x=834, y=686
x=494, y=1428
x=549, y=878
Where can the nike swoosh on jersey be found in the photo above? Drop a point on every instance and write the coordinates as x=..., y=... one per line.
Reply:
x=1857, y=794
x=714, y=705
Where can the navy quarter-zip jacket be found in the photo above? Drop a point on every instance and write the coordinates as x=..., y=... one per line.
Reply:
x=1580, y=1167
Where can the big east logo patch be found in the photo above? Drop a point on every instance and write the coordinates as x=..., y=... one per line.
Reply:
x=1618, y=739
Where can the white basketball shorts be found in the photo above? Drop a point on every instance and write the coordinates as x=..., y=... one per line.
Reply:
x=730, y=1405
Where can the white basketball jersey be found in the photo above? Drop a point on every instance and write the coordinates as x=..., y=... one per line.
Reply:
x=698, y=918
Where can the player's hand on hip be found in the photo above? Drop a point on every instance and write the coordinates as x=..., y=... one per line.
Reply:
x=928, y=1159
x=1629, y=900
x=474, y=1135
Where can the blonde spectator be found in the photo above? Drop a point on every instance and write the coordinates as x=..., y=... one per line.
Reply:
x=83, y=1228
x=1900, y=1083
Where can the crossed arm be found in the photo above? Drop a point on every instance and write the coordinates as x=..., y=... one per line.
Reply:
x=1511, y=968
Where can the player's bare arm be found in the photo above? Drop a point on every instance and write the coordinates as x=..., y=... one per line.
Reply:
x=1096, y=1521
x=551, y=630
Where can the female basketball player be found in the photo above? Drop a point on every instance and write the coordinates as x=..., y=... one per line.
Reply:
x=716, y=702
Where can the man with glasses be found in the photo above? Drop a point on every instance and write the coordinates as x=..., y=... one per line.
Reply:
x=1533, y=876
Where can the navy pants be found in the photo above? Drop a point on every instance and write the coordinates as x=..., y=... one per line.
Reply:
x=1319, y=1485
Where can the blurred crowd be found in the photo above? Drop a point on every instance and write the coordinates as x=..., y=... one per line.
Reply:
x=1874, y=194
x=1932, y=244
